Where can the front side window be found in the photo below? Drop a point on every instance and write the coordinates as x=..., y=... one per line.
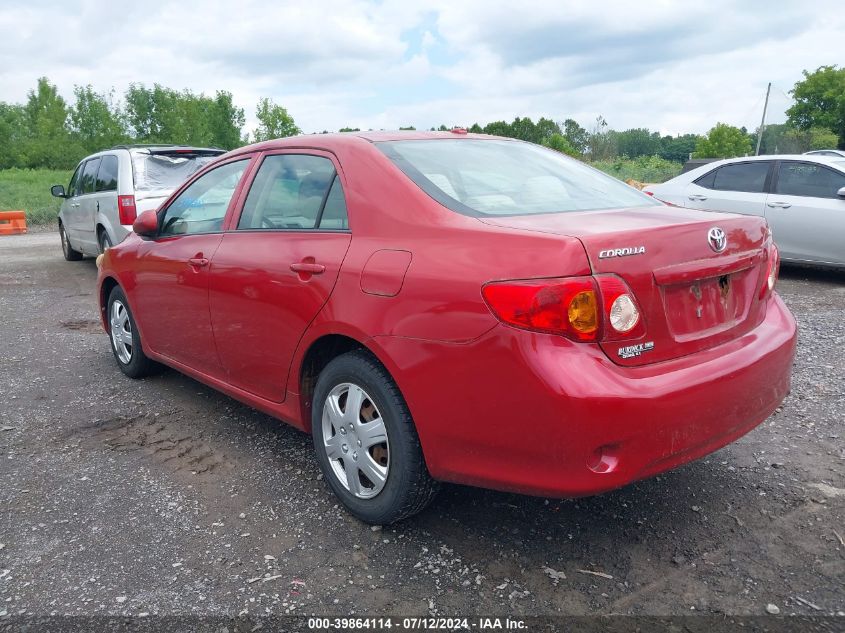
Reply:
x=89, y=175
x=291, y=191
x=74, y=188
x=746, y=177
x=807, y=179
x=499, y=178
x=107, y=174
x=202, y=207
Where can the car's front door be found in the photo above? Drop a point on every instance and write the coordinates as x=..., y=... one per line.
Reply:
x=86, y=212
x=171, y=285
x=732, y=188
x=276, y=268
x=805, y=213
x=70, y=207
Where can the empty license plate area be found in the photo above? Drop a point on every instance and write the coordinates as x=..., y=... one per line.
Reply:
x=705, y=306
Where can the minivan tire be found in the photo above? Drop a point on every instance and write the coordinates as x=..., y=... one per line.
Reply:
x=68, y=251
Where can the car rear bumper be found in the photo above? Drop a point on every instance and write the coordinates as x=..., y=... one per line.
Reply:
x=538, y=414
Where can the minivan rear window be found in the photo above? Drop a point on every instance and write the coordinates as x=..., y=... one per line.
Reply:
x=162, y=173
x=484, y=178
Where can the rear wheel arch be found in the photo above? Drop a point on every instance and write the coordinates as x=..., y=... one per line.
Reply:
x=319, y=354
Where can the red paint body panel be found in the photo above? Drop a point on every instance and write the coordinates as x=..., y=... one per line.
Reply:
x=494, y=405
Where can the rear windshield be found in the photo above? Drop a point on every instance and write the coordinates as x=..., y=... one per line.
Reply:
x=159, y=174
x=497, y=178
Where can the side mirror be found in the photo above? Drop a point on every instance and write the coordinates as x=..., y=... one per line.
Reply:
x=146, y=224
x=58, y=191
x=841, y=193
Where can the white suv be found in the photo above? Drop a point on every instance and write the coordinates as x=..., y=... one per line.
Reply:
x=109, y=188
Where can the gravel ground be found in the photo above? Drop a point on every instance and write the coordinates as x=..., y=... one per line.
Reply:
x=162, y=496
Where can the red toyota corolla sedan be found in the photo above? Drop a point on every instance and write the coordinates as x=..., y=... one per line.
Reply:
x=454, y=307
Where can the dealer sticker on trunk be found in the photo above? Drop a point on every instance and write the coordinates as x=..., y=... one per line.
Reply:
x=632, y=351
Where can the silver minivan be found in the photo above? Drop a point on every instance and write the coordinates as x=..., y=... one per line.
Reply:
x=110, y=188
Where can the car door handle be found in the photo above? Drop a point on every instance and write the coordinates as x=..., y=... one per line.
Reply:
x=74, y=204
x=198, y=261
x=308, y=268
x=698, y=196
x=778, y=205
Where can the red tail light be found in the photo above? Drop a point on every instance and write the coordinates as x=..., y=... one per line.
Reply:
x=772, y=269
x=580, y=308
x=126, y=209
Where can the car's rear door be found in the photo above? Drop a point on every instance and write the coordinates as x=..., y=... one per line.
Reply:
x=732, y=188
x=806, y=215
x=170, y=291
x=276, y=267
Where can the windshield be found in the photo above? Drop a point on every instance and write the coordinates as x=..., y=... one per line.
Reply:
x=159, y=174
x=498, y=177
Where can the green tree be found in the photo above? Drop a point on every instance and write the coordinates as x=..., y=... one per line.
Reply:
x=349, y=129
x=476, y=129
x=408, y=128
x=546, y=128
x=14, y=133
x=637, y=142
x=95, y=122
x=560, y=143
x=602, y=141
x=678, y=148
x=226, y=121
x=820, y=101
x=48, y=142
x=273, y=122
x=577, y=136
x=723, y=141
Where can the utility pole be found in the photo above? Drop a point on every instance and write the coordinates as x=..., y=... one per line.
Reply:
x=763, y=122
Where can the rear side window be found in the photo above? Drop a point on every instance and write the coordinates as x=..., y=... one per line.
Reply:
x=334, y=214
x=290, y=192
x=107, y=174
x=747, y=177
x=89, y=175
x=807, y=179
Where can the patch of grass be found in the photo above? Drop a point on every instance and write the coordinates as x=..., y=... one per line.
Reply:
x=29, y=190
x=651, y=169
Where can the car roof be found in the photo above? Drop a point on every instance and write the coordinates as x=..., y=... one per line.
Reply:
x=346, y=139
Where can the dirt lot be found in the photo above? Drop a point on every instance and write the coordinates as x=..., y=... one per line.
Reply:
x=162, y=496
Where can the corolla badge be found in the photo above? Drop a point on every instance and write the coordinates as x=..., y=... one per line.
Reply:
x=621, y=252
x=717, y=239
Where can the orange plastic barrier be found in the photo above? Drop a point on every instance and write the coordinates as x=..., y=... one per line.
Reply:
x=12, y=222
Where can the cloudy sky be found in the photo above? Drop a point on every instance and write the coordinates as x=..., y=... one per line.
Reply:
x=673, y=66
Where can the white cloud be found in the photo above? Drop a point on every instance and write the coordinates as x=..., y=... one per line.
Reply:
x=670, y=66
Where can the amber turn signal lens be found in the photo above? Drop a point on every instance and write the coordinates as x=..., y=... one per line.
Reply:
x=583, y=312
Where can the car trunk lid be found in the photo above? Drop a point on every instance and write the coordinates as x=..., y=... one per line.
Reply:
x=691, y=296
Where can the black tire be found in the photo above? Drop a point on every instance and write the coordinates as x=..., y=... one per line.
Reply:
x=408, y=488
x=70, y=254
x=103, y=240
x=137, y=365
